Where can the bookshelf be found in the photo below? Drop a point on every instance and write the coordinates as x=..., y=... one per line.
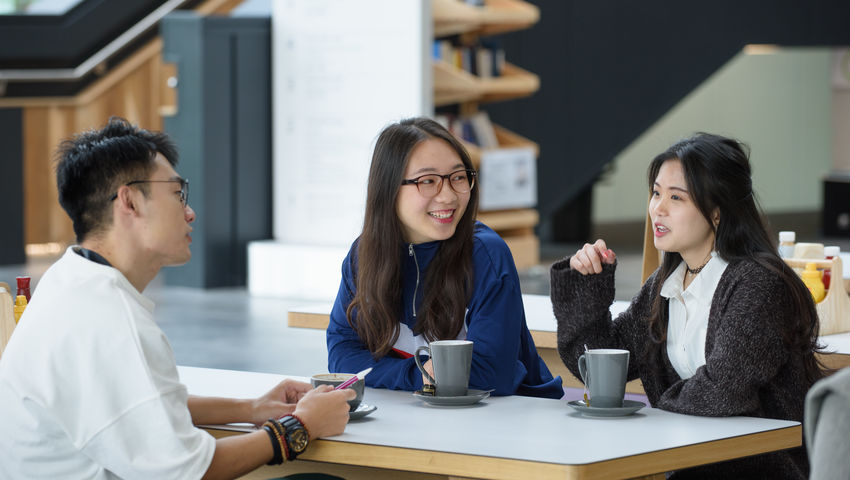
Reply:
x=454, y=86
x=452, y=17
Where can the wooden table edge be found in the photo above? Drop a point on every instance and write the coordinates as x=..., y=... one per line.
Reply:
x=697, y=454
x=422, y=461
x=308, y=320
x=494, y=468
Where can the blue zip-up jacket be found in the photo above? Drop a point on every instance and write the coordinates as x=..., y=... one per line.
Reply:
x=504, y=357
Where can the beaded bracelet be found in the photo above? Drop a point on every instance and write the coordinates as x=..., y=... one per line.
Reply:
x=277, y=459
x=281, y=433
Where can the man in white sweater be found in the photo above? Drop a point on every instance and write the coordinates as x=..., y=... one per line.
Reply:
x=88, y=382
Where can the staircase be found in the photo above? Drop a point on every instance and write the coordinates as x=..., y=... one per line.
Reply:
x=609, y=70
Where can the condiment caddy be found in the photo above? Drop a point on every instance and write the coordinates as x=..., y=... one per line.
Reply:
x=7, y=317
x=834, y=309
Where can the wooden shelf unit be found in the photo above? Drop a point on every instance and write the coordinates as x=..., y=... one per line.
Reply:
x=506, y=138
x=452, y=17
x=453, y=85
x=516, y=227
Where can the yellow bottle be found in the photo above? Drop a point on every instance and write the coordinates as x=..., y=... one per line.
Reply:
x=20, y=306
x=812, y=278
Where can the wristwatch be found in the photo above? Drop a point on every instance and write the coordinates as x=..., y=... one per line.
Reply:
x=296, y=436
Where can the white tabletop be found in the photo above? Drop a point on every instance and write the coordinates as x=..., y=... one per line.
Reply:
x=313, y=308
x=540, y=317
x=514, y=427
x=837, y=343
x=538, y=311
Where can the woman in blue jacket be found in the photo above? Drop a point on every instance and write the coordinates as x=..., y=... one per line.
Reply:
x=423, y=269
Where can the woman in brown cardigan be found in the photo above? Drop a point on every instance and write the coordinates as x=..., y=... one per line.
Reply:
x=723, y=327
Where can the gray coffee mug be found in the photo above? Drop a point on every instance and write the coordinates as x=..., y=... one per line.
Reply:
x=335, y=379
x=604, y=372
x=451, y=360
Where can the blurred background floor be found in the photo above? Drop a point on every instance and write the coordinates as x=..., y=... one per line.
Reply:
x=227, y=328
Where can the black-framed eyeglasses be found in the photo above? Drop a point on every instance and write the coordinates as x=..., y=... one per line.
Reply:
x=430, y=185
x=184, y=188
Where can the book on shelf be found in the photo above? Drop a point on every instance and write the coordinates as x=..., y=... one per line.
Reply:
x=476, y=128
x=490, y=59
x=484, y=131
x=467, y=132
x=485, y=59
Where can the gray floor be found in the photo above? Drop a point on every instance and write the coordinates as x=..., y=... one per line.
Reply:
x=227, y=328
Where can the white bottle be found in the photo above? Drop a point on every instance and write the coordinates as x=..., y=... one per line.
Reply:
x=786, y=244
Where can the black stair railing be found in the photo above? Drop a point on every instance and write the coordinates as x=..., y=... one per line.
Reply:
x=58, y=55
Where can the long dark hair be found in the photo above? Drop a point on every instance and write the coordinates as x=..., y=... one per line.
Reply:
x=718, y=176
x=448, y=281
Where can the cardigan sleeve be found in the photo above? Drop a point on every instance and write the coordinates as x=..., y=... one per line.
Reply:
x=744, y=349
x=581, y=304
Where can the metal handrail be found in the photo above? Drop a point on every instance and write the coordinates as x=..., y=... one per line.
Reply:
x=83, y=69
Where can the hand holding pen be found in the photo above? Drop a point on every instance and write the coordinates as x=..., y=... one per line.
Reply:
x=351, y=381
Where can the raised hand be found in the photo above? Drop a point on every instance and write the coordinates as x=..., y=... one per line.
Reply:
x=590, y=258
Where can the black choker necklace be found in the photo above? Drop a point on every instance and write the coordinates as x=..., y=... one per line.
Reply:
x=694, y=271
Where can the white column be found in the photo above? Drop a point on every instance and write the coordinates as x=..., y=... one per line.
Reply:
x=342, y=70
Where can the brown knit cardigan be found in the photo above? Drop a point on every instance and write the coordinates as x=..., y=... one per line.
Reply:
x=748, y=371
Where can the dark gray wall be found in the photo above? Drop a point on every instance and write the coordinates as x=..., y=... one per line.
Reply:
x=11, y=188
x=223, y=131
x=609, y=70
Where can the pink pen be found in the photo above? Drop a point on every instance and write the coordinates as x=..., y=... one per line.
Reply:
x=360, y=376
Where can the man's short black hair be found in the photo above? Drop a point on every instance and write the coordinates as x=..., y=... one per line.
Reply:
x=92, y=166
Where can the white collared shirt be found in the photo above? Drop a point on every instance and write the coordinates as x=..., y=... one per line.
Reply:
x=688, y=314
x=89, y=388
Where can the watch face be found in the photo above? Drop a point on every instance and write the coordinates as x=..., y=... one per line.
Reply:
x=298, y=440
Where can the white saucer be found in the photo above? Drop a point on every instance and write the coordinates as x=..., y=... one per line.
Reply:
x=471, y=397
x=361, y=411
x=629, y=407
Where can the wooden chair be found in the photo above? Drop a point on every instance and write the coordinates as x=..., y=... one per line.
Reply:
x=651, y=255
x=7, y=316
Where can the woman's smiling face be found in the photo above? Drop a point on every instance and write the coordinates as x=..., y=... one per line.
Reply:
x=426, y=219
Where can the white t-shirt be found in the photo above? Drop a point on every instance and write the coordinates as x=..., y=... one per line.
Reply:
x=89, y=387
x=687, y=314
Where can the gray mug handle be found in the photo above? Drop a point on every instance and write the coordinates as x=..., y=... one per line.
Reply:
x=419, y=364
x=582, y=370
